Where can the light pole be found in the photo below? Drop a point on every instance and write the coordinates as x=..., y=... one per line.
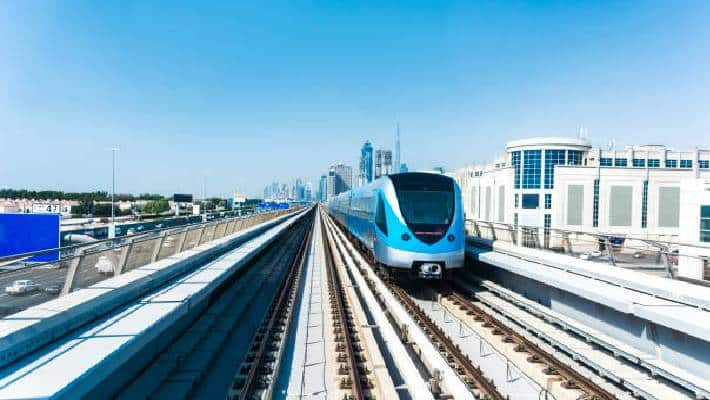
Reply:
x=112, y=229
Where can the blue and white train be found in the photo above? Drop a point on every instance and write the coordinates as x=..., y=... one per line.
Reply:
x=410, y=221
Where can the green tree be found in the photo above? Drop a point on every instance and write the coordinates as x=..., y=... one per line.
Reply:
x=156, y=206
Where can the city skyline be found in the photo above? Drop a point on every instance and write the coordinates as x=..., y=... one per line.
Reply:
x=188, y=92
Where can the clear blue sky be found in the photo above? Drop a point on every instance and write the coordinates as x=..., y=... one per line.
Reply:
x=253, y=92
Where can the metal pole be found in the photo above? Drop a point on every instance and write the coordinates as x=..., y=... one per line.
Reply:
x=113, y=183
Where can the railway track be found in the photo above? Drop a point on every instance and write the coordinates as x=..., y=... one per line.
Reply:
x=349, y=351
x=481, y=386
x=255, y=378
x=571, y=378
x=472, y=376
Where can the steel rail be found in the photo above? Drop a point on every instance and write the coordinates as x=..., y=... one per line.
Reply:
x=346, y=331
x=573, y=379
x=280, y=307
x=472, y=375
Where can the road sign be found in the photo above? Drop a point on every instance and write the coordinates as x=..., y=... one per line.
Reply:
x=25, y=233
x=182, y=198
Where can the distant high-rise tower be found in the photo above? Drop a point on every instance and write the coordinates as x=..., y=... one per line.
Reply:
x=365, y=175
x=323, y=188
x=343, y=178
x=383, y=162
x=396, y=151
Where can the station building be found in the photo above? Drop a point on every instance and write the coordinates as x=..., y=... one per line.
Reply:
x=648, y=192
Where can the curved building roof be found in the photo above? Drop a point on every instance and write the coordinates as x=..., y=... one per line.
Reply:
x=537, y=142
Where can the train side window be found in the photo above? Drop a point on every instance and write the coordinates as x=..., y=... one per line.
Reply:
x=380, y=217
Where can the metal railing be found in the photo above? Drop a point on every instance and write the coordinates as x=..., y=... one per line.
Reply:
x=658, y=255
x=86, y=264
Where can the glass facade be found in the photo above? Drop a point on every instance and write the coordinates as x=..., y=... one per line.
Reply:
x=515, y=160
x=605, y=162
x=704, y=164
x=644, y=205
x=639, y=162
x=595, y=213
x=548, y=225
x=574, y=157
x=671, y=163
x=655, y=163
x=552, y=158
x=548, y=201
x=532, y=169
x=620, y=162
x=705, y=223
x=686, y=163
x=531, y=201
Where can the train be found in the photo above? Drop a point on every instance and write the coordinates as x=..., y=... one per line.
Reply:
x=410, y=222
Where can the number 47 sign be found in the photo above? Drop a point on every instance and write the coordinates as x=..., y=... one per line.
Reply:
x=47, y=208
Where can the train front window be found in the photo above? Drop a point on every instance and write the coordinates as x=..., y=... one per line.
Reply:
x=426, y=207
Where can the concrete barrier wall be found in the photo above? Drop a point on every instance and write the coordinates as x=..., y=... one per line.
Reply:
x=668, y=345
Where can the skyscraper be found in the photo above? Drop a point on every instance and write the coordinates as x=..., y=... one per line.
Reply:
x=330, y=185
x=344, y=178
x=365, y=175
x=383, y=162
x=396, y=151
x=323, y=188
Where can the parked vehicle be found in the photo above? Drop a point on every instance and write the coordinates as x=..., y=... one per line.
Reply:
x=21, y=286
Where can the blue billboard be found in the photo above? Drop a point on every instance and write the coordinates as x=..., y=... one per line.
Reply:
x=271, y=206
x=25, y=233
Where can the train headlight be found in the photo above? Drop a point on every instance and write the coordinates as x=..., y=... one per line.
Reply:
x=451, y=238
x=405, y=237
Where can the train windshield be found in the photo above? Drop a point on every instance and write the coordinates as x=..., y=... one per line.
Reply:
x=426, y=207
x=426, y=202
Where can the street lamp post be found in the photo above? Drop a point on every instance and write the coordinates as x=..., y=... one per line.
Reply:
x=112, y=228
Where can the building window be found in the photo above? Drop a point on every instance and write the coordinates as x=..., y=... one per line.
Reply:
x=548, y=225
x=644, y=205
x=620, y=205
x=671, y=163
x=515, y=220
x=548, y=201
x=669, y=207
x=516, y=165
x=574, y=157
x=595, y=212
x=552, y=158
x=501, y=203
x=705, y=223
x=704, y=164
x=517, y=200
x=620, y=162
x=575, y=204
x=655, y=163
x=531, y=201
x=686, y=163
x=605, y=162
x=639, y=162
x=532, y=169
